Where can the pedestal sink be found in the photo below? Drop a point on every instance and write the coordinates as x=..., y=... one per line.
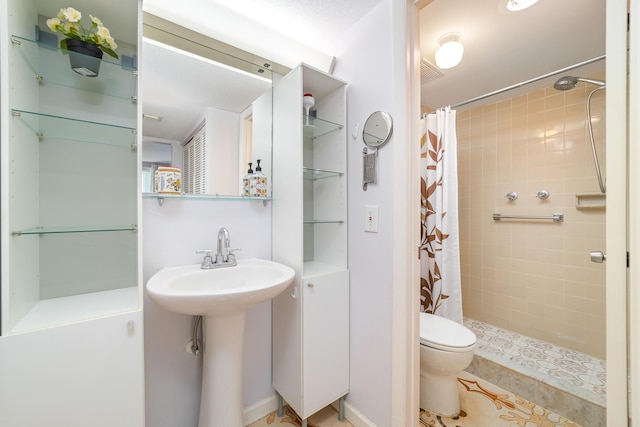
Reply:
x=222, y=296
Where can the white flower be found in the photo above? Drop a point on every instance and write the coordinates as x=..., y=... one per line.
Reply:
x=61, y=14
x=72, y=15
x=68, y=26
x=103, y=32
x=53, y=23
x=111, y=42
x=96, y=20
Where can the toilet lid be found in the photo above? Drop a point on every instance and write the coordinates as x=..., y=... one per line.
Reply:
x=442, y=333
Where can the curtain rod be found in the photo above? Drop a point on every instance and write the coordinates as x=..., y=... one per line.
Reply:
x=533, y=80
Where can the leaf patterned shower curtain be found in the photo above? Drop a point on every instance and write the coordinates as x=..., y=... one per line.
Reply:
x=440, y=291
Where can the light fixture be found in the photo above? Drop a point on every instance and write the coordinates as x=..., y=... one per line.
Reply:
x=516, y=5
x=207, y=60
x=450, y=52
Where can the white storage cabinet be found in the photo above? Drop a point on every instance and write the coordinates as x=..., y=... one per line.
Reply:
x=311, y=318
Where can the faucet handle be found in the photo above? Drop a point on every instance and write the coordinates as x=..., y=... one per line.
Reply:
x=207, y=262
x=232, y=255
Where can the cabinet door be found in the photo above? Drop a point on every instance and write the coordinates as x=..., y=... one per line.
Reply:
x=84, y=374
x=287, y=345
x=325, y=340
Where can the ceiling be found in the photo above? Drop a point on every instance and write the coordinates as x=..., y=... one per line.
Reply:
x=316, y=23
x=502, y=48
x=505, y=48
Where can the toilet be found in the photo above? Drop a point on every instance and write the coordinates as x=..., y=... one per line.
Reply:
x=446, y=348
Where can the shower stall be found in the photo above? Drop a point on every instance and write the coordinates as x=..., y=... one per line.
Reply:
x=535, y=141
x=528, y=284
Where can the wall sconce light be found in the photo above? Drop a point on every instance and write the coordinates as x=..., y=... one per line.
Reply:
x=450, y=52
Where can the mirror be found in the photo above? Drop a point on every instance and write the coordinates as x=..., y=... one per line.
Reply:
x=377, y=129
x=204, y=116
x=376, y=132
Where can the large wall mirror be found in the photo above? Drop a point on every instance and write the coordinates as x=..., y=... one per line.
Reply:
x=204, y=110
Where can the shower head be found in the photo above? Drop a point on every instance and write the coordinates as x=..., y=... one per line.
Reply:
x=569, y=82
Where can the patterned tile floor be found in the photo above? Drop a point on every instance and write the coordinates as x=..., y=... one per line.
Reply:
x=581, y=374
x=327, y=417
x=483, y=405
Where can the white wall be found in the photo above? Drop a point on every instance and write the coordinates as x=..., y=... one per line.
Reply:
x=171, y=235
x=364, y=60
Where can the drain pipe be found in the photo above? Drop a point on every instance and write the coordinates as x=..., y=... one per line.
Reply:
x=195, y=343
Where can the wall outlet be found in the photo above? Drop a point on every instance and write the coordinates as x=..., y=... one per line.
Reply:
x=371, y=218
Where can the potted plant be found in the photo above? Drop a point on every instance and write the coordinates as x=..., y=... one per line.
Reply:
x=85, y=46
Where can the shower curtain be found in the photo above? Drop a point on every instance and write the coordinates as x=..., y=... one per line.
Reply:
x=440, y=291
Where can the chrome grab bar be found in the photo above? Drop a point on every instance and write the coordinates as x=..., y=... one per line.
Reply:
x=556, y=217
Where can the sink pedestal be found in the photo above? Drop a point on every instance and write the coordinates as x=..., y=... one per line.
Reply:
x=221, y=401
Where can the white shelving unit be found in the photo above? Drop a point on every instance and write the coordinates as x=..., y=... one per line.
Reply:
x=73, y=163
x=311, y=318
x=71, y=296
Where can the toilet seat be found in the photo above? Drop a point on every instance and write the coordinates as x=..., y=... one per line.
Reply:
x=445, y=334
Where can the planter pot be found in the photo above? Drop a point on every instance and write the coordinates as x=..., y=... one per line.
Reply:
x=84, y=57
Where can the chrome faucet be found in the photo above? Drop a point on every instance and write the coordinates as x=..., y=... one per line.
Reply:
x=223, y=246
x=225, y=256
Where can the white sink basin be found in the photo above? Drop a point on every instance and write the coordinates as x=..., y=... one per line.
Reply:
x=221, y=291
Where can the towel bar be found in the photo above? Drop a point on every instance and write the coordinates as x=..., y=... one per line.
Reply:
x=556, y=217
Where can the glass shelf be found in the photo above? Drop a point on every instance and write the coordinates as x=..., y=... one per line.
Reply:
x=313, y=174
x=50, y=65
x=318, y=127
x=47, y=126
x=71, y=229
x=162, y=197
x=323, y=221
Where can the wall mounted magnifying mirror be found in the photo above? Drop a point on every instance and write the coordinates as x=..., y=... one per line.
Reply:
x=376, y=132
x=377, y=129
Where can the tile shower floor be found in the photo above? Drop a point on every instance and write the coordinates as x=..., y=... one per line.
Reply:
x=483, y=405
x=581, y=374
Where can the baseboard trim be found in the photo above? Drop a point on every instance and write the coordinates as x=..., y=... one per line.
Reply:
x=354, y=416
x=269, y=404
x=260, y=409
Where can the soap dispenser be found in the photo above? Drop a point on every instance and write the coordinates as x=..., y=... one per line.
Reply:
x=247, y=182
x=260, y=180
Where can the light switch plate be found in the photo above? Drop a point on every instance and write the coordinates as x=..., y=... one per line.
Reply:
x=371, y=218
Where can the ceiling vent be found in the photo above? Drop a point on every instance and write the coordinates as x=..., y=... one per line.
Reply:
x=428, y=71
